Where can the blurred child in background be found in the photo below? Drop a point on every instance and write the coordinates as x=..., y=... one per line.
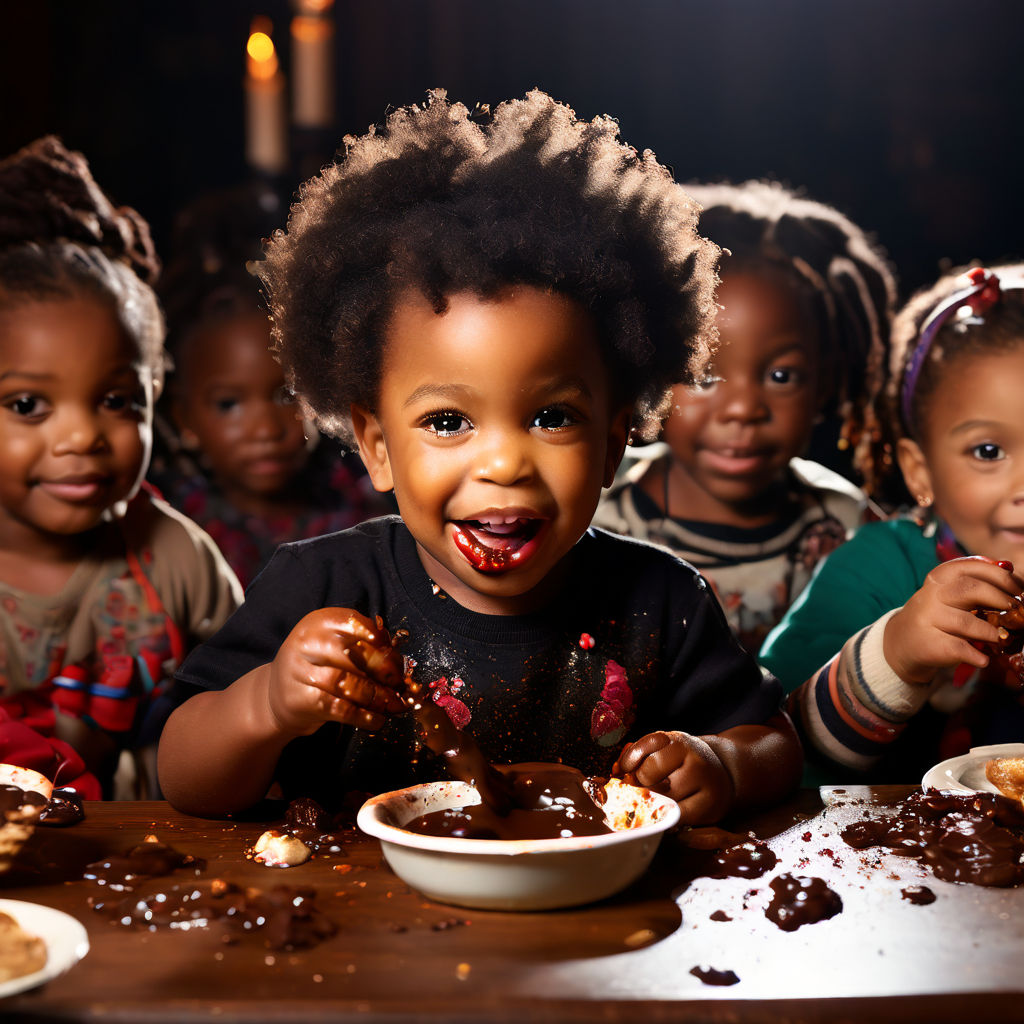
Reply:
x=892, y=667
x=103, y=589
x=805, y=301
x=237, y=456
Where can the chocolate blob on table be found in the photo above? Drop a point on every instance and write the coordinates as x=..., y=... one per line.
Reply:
x=962, y=837
x=15, y=801
x=64, y=807
x=549, y=801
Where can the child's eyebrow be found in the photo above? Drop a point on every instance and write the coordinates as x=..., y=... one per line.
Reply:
x=437, y=391
x=455, y=392
x=967, y=425
x=26, y=374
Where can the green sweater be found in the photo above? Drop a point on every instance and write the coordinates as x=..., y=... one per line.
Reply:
x=856, y=717
x=873, y=573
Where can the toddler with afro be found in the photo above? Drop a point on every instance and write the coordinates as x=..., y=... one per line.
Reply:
x=486, y=305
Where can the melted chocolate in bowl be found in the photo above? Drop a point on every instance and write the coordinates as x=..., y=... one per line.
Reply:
x=549, y=801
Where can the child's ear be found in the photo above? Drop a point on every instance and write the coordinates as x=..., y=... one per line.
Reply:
x=914, y=467
x=372, y=448
x=618, y=436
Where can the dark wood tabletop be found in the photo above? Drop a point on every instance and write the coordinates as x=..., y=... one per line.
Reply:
x=398, y=957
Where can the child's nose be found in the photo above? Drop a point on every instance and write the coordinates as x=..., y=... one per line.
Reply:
x=80, y=432
x=271, y=421
x=743, y=399
x=502, y=459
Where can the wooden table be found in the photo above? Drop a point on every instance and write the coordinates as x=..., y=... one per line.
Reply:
x=397, y=957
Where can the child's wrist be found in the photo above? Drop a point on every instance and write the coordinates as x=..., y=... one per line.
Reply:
x=888, y=662
x=727, y=757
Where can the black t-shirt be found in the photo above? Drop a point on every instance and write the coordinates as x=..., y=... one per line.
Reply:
x=525, y=686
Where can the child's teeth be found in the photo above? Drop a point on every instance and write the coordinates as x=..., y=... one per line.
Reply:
x=500, y=524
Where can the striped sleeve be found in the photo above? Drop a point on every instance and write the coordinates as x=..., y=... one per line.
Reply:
x=855, y=705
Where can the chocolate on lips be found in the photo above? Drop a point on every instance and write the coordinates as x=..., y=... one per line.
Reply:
x=497, y=542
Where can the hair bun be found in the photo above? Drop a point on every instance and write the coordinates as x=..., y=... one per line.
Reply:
x=48, y=194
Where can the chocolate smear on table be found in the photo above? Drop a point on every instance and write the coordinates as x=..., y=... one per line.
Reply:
x=919, y=895
x=749, y=859
x=283, y=917
x=150, y=859
x=549, y=801
x=63, y=808
x=801, y=900
x=711, y=976
x=961, y=837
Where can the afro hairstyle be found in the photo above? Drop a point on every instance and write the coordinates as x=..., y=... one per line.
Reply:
x=444, y=201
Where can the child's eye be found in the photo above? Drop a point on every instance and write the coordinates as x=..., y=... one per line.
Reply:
x=988, y=451
x=225, y=404
x=554, y=418
x=784, y=375
x=446, y=424
x=122, y=401
x=28, y=406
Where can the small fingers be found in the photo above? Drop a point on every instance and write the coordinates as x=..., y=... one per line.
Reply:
x=355, y=688
x=340, y=709
x=633, y=754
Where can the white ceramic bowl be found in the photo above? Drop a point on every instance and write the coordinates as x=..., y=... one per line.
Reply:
x=520, y=874
x=19, y=825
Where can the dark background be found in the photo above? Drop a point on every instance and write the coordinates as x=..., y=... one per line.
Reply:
x=904, y=114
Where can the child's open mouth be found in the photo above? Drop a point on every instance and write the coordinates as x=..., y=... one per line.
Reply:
x=497, y=543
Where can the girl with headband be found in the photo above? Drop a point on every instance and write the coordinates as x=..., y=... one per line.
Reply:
x=903, y=649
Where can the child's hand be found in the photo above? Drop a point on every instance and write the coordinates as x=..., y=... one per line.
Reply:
x=683, y=767
x=937, y=627
x=335, y=665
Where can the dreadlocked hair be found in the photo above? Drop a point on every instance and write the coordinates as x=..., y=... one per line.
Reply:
x=844, y=280
x=61, y=236
x=445, y=201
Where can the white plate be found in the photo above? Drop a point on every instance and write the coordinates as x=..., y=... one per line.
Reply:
x=966, y=773
x=65, y=938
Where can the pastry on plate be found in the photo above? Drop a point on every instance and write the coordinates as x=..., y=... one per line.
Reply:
x=20, y=952
x=1007, y=775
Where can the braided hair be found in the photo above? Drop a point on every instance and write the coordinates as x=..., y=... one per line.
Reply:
x=443, y=200
x=842, y=277
x=61, y=236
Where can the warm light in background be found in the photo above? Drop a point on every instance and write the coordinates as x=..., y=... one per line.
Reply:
x=312, y=6
x=262, y=57
x=266, y=119
x=312, y=64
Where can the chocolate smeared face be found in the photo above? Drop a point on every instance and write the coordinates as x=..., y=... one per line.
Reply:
x=496, y=427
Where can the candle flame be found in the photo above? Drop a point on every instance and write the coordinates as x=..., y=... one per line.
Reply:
x=313, y=6
x=262, y=57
